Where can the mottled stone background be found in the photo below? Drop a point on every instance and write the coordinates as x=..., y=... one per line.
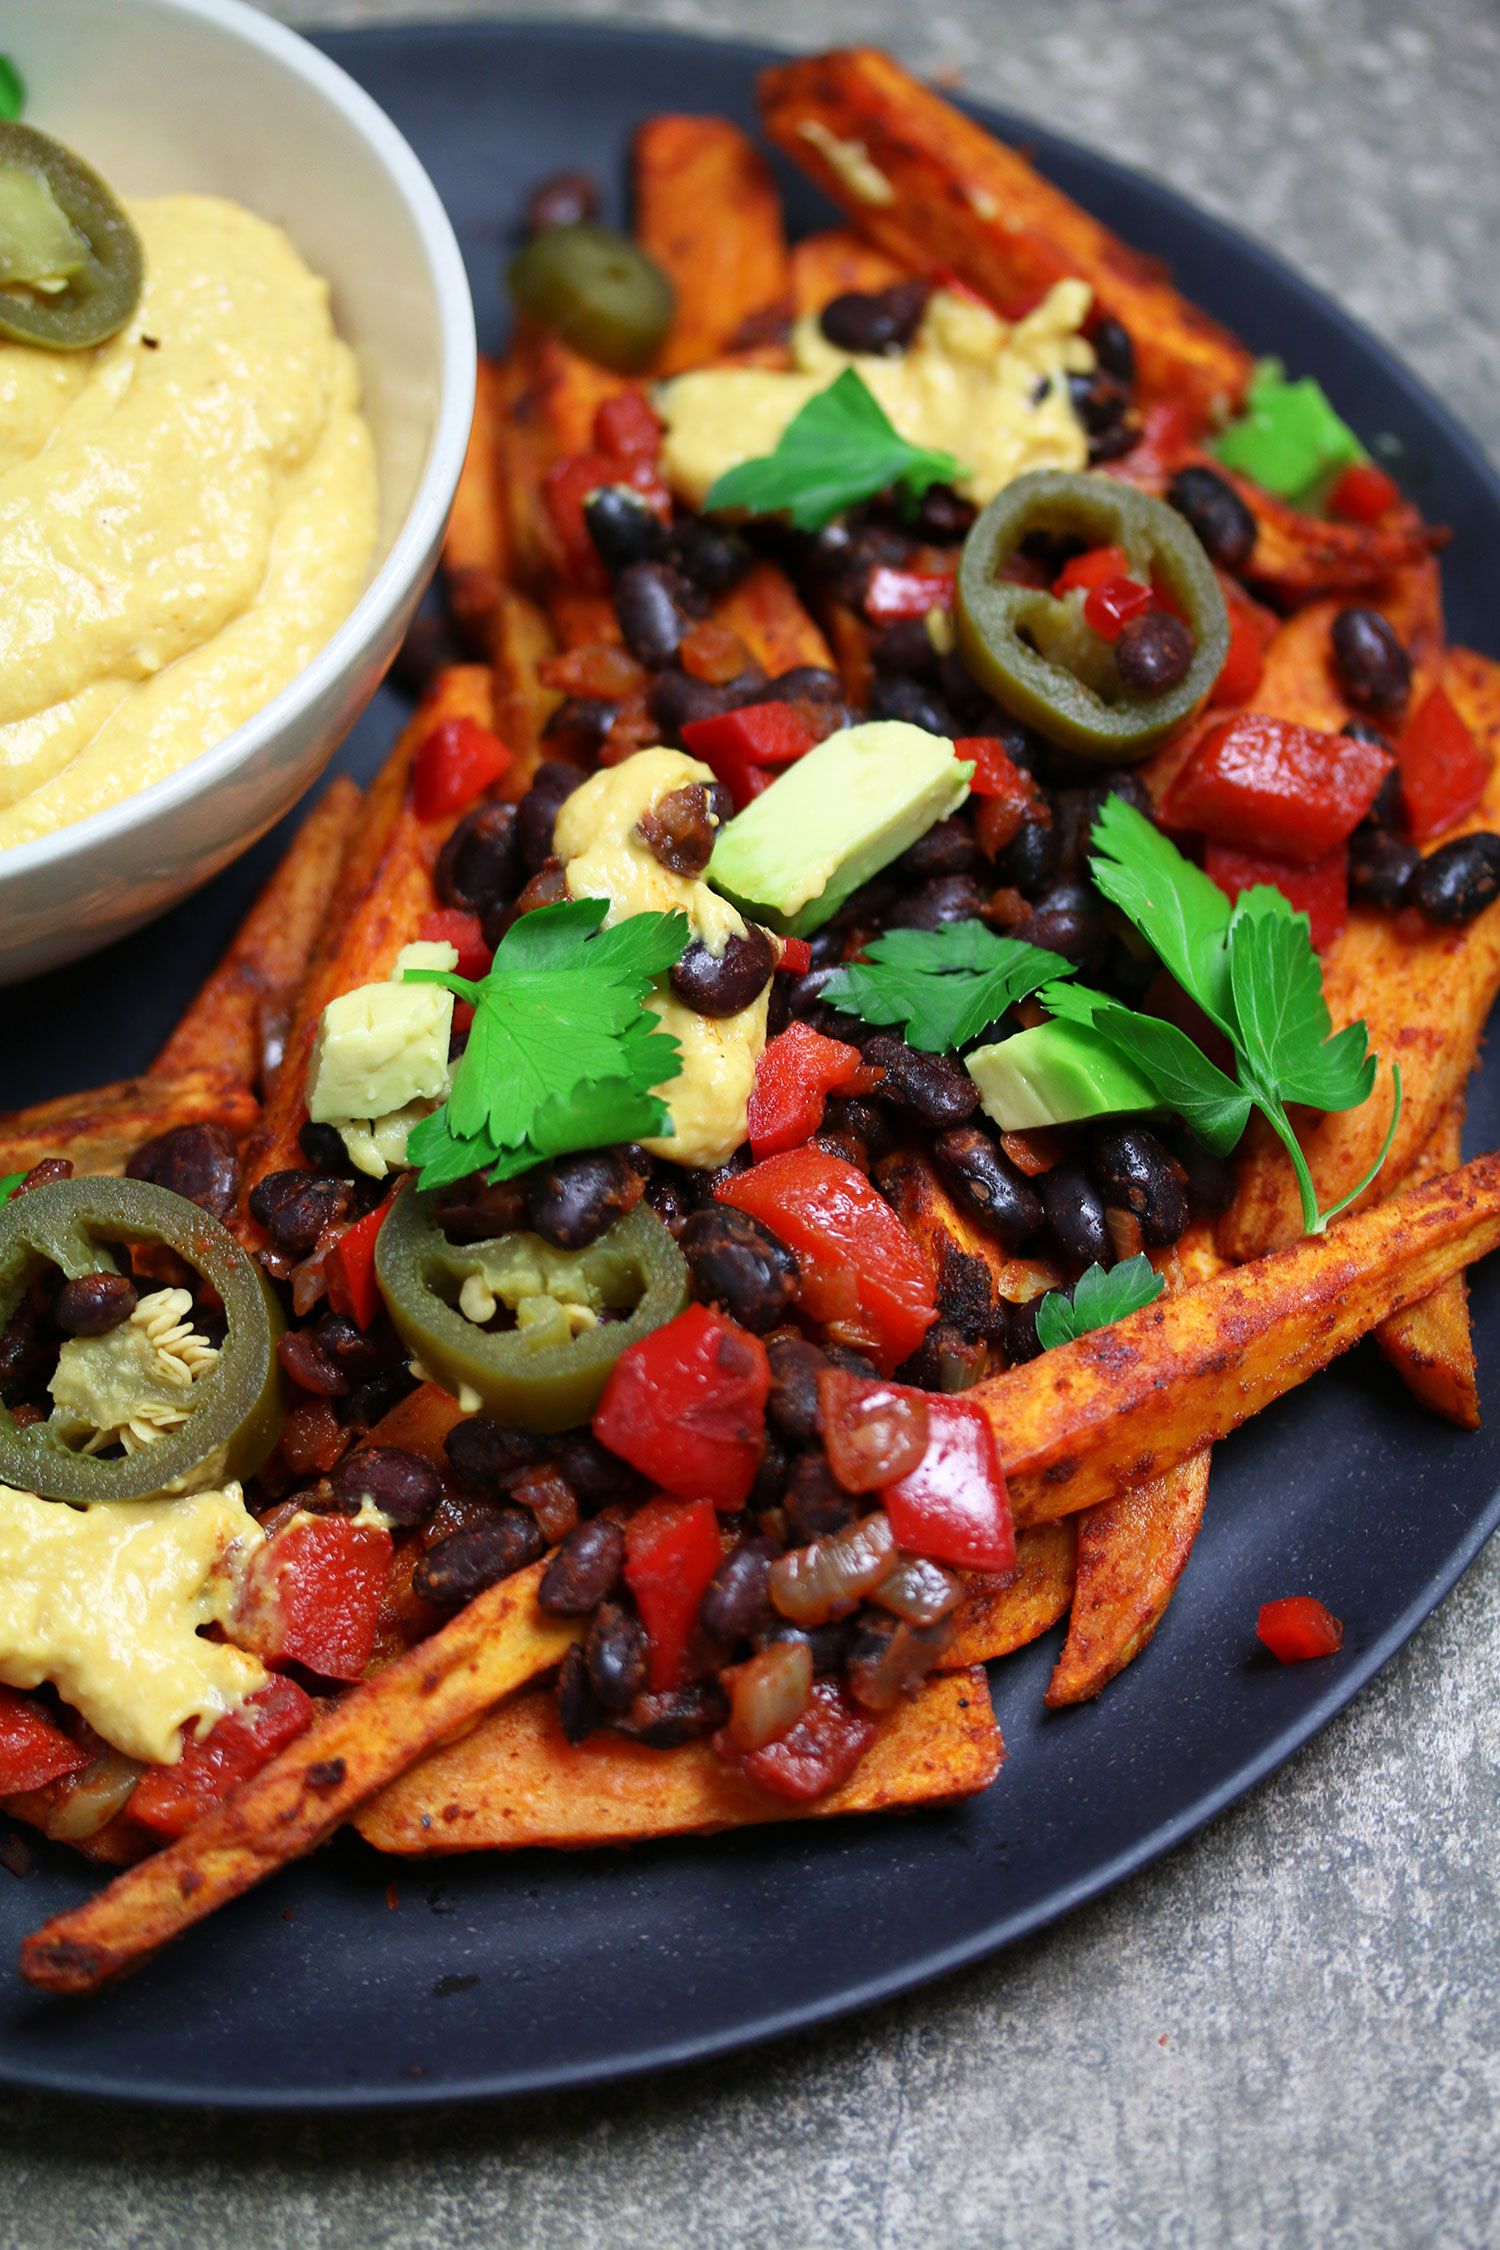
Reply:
x=1286, y=2034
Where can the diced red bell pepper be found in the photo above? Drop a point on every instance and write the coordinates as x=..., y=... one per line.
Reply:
x=1112, y=604
x=456, y=763
x=1169, y=428
x=742, y=746
x=1298, y=1628
x=671, y=1552
x=626, y=429
x=1443, y=771
x=313, y=1594
x=996, y=773
x=1244, y=666
x=568, y=484
x=1092, y=569
x=818, y=1751
x=687, y=1406
x=954, y=1507
x=796, y=956
x=1363, y=493
x=33, y=1748
x=1268, y=785
x=1321, y=891
x=349, y=1268
x=168, y=1799
x=449, y=925
x=862, y=1274
x=893, y=594
x=794, y=1077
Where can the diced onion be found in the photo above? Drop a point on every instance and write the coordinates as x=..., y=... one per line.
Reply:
x=769, y=1694
x=830, y=1578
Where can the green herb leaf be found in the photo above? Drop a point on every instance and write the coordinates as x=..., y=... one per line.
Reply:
x=12, y=91
x=1099, y=1300
x=840, y=449
x=1180, y=912
x=943, y=985
x=1285, y=1030
x=1184, y=1078
x=9, y=1182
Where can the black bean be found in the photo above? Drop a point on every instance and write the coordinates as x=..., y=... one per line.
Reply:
x=479, y=866
x=552, y=784
x=1114, y=350
x=905, y=648
x=814, y=1504
x=889, y=1659
x=294, y=1207
x=1079, y=809
x=1211, y=1180
x=324, y=1149
x=723, y=984
x=579, y=1711
x=792, y=1407
x=864, y=1121
x=1389, y=807
x=770, y=1479
x=829, y=1643
x=358, y=1352
x=1030, y=859
x=740, y=1265
x=651, y=618
x=457, y=1568
x=843, y=555
x=851, y=1361
x=884, y=321
x=735, y=1599
x=1075, y=1213
x=594, y=1475
x=623, y=527
x=1458, y=881
x=484, y=1456
x=586, y=1570
x=1103, y=407
x=578, y=727
x=94, y=1303
x=24, y=1349
x=934, y=1088
x=674, y=700
x=892, y=696
x=1021, y=1339
x=369, y=1402
x=676, y=1715
x=200, y=1162
x=710, y=556
x=1361, y=730
x=678, y=830
x=1154, y=652
x=949, y=898
x=308, y=1364
x=1381, y=867
x=948, y=848
x=562, y=201
x=571, y=1201
x=1373, y=666
x=945, y=1360
x=615, y=1653
x=987, y=1184
x=1226, y=529
x=1068, y=918
x=398, y=1483
x=720, y=803
x=1139, y=1176
x=673, y=1195
x=942, y=517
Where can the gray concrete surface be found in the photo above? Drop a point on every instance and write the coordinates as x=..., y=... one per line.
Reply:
x=1285, y=2035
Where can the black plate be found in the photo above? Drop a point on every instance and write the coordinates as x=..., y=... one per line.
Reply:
x=499, y=1975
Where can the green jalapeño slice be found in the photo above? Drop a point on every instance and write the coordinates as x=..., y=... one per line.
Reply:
x=71, y=265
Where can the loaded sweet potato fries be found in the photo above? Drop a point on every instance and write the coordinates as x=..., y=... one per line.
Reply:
x=941, y=845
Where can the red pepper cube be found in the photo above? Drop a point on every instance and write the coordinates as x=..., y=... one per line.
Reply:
x=1363, y=493
x=33, y=1748
x=894, y=594
x=313, y=1595
x=1244, y=665
x=565, y=487
x=1321, y=891
x=741, y=745
x=954, y=1507
x=456, y=763
x=1299, y=1628
x=796, y=1073
x=625, y=427
x=1112, y=604
x=863, y=1276
x=687, y=1407
x=169, y=1799
x=1443, y=771
x=671, y=1551
x=796, y=956
x=1267, y=785
x=349, y=1268
x=449, y=925
x=996, y=773
x=818, y=1751
x=1085, y=572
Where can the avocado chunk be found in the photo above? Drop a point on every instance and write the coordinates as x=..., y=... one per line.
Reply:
x=381, y=1053
x=1055, y=1074
x=834, y=819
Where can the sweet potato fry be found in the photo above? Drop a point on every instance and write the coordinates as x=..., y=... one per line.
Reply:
x=707, y=210
x=765, y=611
x=493, y=1647
x=515, y=1781
x=523, y=637
x=933, y=190
x=1431, y=1344
x=838, y=260
x=1000, y=1614
x=851, y=641
x=568, y=391
x=97, y=1131
x=1297, y=557
x=525, y=453
x=476, y=550
x=238, y=1020
x=910, y=1184
x=1130, y=1401
x=1131, y=1552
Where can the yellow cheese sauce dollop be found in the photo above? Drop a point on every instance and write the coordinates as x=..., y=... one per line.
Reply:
x=187, y=512
x=991, y=392
x=106, y=1602
x=604, y=858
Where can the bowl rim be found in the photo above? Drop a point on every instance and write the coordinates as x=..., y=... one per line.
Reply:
x=417, y=539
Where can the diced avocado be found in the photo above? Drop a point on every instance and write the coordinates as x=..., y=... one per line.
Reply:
x=834, y=819
x=1054, y=1074
x=383, y=1046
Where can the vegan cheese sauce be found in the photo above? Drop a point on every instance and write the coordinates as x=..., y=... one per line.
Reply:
x=991, y=392
x=187, y=512
x=604, y=858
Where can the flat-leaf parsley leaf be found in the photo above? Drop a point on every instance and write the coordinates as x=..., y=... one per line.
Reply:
x=943, y=985
x=1099, y=1300
x=840, y=449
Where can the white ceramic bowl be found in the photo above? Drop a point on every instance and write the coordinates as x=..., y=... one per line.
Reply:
x=209, y=95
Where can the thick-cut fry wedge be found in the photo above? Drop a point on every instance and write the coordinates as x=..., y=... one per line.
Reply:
x=766, y=613
x=386, y=891
x=97, y=1131
x=1297, y=557
x=1129, y=1401
x=851, y=640
x=583, y=620
x=1000, y=1614
x=418, y=1423
x=1431, y=1344
x=568, y=391
x=1131, y=1552
x=493, y=1647
x=526, y=453
x=238, y=1020
x=523, y=706
x=935, y=190
x=476, y=548
x=910, y=1184
x=706, y=209
x=516, y=1781
x=833, y=263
